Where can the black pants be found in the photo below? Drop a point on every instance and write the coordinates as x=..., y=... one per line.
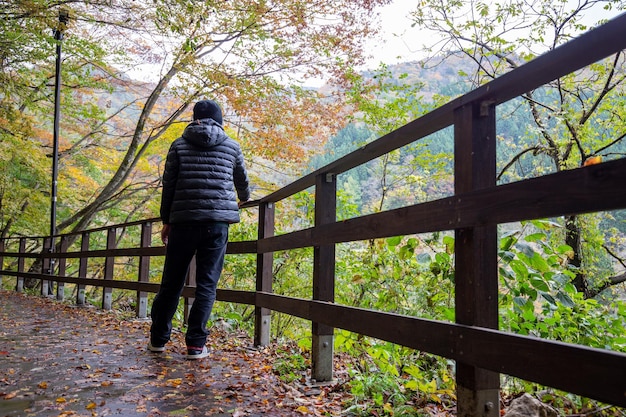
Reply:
x=208, y=243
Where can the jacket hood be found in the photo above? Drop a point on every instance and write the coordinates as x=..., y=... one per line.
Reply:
x=205, y=133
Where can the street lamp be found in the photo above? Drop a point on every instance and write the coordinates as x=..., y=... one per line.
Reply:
x=64, y=18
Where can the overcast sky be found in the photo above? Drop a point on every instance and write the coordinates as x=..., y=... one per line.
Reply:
x=401, y=41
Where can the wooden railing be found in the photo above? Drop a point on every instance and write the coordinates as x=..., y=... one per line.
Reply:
x=478, y=205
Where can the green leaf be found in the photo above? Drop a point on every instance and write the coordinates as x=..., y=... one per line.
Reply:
x=529, y=315
x=505, y=273
x=565, y=299
x=449, y=314
x=620, y=340
x=394, y=241
x=442, y=258
x=535, y=237
x=411, y=385
x=538, y=283
x=521, y=271
x=570, y=288
x=525, y=248
x=413, y=370
x=565, y=250
x=520, y=301
x=539, y=263
x=561, y=279
x=506, y=243
x=549, y=298
x=507, y=256
x=544, y=224
x=449, y=242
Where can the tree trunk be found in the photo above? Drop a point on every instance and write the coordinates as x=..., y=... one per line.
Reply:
x=573, y=239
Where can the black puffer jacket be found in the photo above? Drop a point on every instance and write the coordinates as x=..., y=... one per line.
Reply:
x=203, y=170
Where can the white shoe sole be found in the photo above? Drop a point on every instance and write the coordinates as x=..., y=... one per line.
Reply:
x=203, y=354
x=155, y=349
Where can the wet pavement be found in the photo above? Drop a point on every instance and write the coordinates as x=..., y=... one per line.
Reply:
x=61, y=360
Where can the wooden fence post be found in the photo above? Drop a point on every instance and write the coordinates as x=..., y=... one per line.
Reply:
x=82, y=269
x=476, y=250
x=109, y=269
x=323, y=278
x=1, y=260
x=264, y=271
x=47, y=266
x=19, y=286
x=62, y=268
x=144, y=270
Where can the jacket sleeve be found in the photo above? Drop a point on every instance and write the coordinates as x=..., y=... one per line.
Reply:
x=240, y=177
x=170, y=176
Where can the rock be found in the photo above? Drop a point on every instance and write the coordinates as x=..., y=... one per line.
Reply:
x=528, y=406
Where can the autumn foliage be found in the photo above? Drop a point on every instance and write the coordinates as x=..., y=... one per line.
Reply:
x=131, y=71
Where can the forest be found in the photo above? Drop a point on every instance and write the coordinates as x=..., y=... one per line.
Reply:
x=132, y=70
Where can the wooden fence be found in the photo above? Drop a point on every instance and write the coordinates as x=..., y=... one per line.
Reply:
x=475, y=210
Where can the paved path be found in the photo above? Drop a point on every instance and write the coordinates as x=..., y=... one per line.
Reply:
x=59, y=360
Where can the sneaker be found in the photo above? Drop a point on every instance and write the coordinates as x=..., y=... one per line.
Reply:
x=155, y=349
x=194, y=352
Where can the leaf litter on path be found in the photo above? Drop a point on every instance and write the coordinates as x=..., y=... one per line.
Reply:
x=61, y=360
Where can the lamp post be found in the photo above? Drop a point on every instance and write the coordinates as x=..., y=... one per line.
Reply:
x=64, y=17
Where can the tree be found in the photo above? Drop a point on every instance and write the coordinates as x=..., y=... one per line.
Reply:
x=572, y=119
x=383, y=100
x=27, y=78
x=250, y=56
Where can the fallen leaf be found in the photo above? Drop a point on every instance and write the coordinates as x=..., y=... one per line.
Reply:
x=10, y=395
x=174, y=382
x=302, y=410
x=91, y=406
x=43, y=385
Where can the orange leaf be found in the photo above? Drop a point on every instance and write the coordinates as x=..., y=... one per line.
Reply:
x=174, y=382
x=592, y=160
x=43, y=385
x=10, y=395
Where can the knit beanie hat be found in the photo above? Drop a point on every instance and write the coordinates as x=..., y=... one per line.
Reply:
x=207, y=109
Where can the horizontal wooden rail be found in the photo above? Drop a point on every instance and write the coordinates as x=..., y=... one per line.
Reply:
x=534, y=359
x=233, y=248
x=569, y=192
x=96, y=282
x=232, y=296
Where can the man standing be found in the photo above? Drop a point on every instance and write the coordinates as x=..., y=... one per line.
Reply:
x=204, y=175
